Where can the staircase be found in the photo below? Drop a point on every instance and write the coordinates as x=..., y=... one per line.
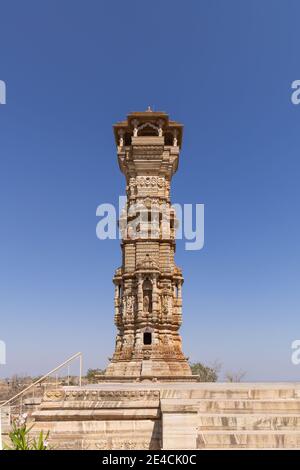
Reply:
x=260, y=417
x=153, y=415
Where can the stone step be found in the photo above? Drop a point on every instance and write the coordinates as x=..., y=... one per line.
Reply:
x=248, y=440
x=105, y=404
x=96, y=414
x=249, y=406
x=280, y=422
x=102, y=434
x=284, y=406
x=232, y=394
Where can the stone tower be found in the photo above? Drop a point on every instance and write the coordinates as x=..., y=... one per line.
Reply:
x=148, y=285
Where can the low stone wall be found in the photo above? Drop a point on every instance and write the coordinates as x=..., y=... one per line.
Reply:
x=172, y=416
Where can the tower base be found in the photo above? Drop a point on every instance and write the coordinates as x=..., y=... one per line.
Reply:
x=149, y=369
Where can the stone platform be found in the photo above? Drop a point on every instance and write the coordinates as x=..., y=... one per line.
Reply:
x=147, y=378
x=172, y=416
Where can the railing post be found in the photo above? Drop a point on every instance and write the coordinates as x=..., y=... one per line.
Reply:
x=80, y=369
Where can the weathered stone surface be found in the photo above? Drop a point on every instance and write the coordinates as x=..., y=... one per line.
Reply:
x=172, y=416
x=148, y=285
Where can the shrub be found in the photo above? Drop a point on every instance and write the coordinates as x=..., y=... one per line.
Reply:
x=205, y=373
x=20, y=436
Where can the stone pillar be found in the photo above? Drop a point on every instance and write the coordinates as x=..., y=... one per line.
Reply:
x=175, y=291
x=154, y=294
x=117, y=291
x=140, y=295
x=117, y=300
x=179, y=290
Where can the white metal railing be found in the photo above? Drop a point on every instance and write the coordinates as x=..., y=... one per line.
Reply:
x=41, y=379
x=79, y=354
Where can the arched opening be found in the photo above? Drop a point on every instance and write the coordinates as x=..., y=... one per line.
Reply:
x=147, y=338
x=147, y=129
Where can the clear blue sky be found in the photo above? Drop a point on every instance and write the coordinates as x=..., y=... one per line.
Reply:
x=224, y=69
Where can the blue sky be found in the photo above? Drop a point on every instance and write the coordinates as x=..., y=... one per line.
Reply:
x=223, y=69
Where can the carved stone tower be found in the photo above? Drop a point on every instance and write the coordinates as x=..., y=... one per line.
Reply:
x=148, y=285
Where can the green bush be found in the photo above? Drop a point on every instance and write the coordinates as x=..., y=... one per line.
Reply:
x=20, y=436
x=205, y=373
